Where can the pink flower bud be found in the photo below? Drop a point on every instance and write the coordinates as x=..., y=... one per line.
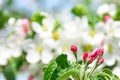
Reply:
x=101, y=51
x=90, y=60
x=107, y=18
x=94, y=53
x=31, y=77
x=100, y=60
x=25, y=23
x=102, y=43
x=25, y=30
x=85, y=55
x=74, y=48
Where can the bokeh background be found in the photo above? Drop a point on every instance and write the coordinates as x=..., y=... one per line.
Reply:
x=33, y=32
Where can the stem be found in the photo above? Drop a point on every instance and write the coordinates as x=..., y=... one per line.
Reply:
x=84, y=71
x=75, y=54
x=94, y=67
x=71, y=78
x=90, y=73
x=92, y=70
x=79, y=77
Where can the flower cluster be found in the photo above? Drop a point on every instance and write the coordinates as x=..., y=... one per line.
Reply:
x=96, y=54
x=80, y=71
x=42, y=37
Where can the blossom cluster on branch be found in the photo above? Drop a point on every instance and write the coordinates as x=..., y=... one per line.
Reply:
x=39, y=39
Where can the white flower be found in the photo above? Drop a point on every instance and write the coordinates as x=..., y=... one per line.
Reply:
x=97, y=38
x=110, y=28
x=3, y=61
x=106, y=8
x=28, y=44
x=36, y=27
x=46, y=57
x=16, y=52
x=47, y=25
x=116, y=71
x=32, y=56
x=49, y=22
x=4, y=55
x=103, y=9
x=11, y=21
x=50, y=43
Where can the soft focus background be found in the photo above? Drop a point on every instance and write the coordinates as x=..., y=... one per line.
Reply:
x=33, y=32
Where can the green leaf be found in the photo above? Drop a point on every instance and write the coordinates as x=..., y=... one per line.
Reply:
x=59, y=69
x=80, y=10
x=62, y=62
x=50, y=70
x=107, y=71
x=9, y=2
x=38, y=17
x=4, y=16
x=116, y=77
x=67, y=74
x=101, y=76
x=105, y=74
x=117, y=15
x=57, y=25
x=9, y=73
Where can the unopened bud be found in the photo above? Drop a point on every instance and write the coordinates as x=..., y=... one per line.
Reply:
x=107, y=18
x=85, y=55
x=101, y=51
x=74, y=48
x=90, y=60
x=94, y=53
x=100, y=60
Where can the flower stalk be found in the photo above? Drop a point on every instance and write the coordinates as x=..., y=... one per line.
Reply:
x=94, y=56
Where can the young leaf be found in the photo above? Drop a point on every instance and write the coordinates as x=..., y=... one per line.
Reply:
x=38, y=17
x=62, y=62
x=80, y=10
x=9, y=73
x=67, y=74
x=50, y=70
x=116, y=77
x=107, y=71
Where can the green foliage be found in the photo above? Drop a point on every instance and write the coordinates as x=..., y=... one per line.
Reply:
x=50, y=70
x=80, y=10
x=105, y=74
x=38, y=17
x=117, y=15
x=8, y=73
x=62, y=69
x=9, y=2
x=60, y=59
x=4, y=16
x=57, y=25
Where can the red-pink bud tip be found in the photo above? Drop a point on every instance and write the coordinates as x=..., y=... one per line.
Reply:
x=90, y=60
x=100, y=60
x=85, y=55
x=101, y=51
x=25, y=23
x=107, y=18
x=31, y=77
x=74, y=48
x=94, y=53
